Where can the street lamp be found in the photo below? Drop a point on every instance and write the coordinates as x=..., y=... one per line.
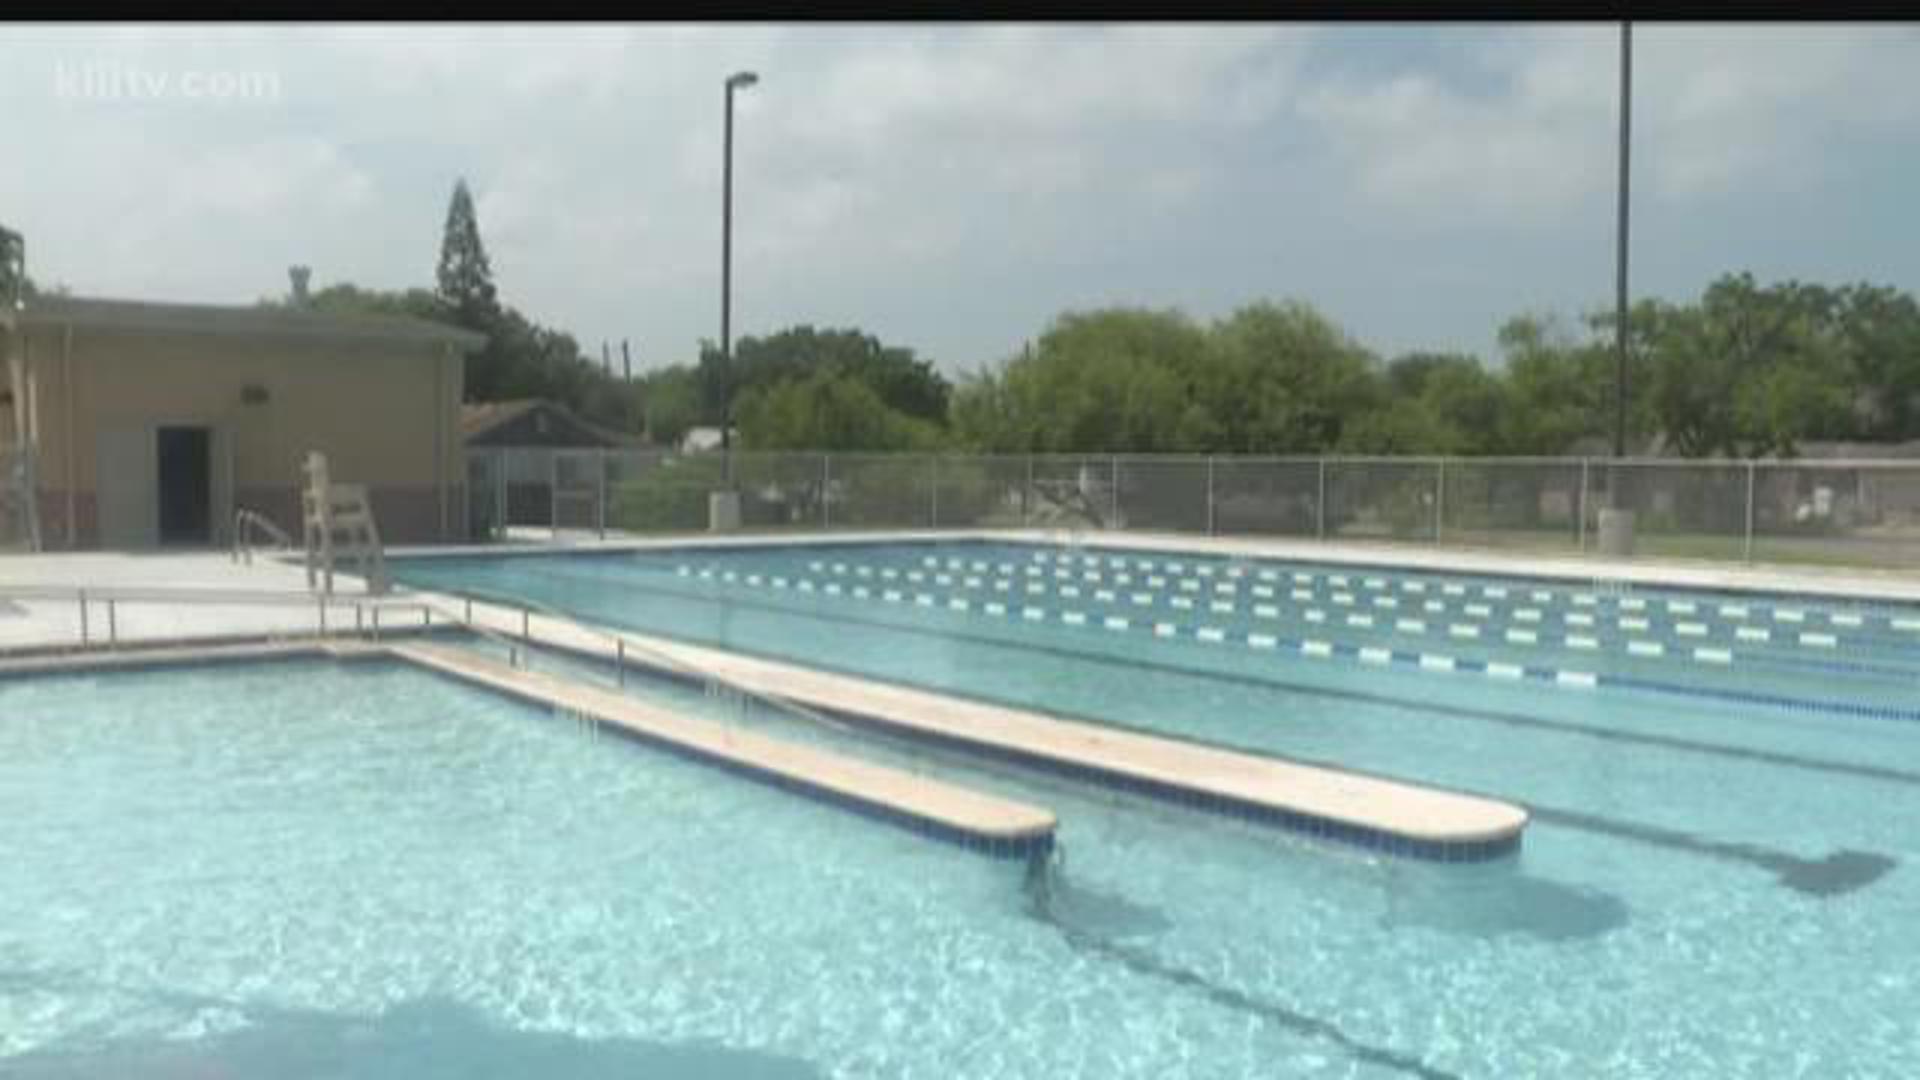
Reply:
x=739, y=80
x=1620, y=247
x=1616, y=520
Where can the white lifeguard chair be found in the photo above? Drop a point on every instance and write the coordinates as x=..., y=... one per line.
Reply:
x=339, y=523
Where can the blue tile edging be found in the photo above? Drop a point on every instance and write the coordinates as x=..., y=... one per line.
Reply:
x=1031, y=849
x=1312, y=825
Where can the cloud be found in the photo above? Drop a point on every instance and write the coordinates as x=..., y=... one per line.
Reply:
x=1530, y=131
x=952, y=185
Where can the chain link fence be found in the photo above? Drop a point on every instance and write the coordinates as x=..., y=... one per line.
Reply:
x=1840, y=513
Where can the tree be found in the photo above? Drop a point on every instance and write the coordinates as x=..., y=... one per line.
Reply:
x=1558, y=388
x=827, y=410
x=1112, y=379
x=465, y=275
x=14, y=283
x=899, y=379
x=1287, y=380
x=669, y=403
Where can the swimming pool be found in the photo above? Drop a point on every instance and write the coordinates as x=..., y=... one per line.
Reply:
x=1719, y=877
x=312, y=868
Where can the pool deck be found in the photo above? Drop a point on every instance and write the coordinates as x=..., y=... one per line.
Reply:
x=1001, y=826
x=1374, y=812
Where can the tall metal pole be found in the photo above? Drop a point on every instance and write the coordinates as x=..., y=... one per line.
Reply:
x=734, y=81
x=1620, y=253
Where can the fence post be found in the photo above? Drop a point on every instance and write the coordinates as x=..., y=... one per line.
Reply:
x=84, y=637
x=1439, y=500
x=1320, y=503
x=826, y=491
x=620, y=660
x=933, y=491
x=503, y=460
x=113, y=629
x=553, y=494
x=1580, y=510
x=1026, y=495
x=1747, y=548
x=1210, y=510
x=1113, y=494
x=600, y=484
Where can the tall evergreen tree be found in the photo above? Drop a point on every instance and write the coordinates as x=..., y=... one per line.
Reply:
x=465, y=276
x=13, y=282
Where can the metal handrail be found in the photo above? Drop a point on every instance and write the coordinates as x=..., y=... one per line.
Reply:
x=243, y=519
x=622, y=647
x=111, y=597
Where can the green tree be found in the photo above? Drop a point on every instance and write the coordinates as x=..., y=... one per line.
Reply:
x=901, y=380
x=1287, y=380
x=13, y=270
x=1112, y=379
x=465, y=275
x=827, y=410
x=669, y=403
x=1556, y=388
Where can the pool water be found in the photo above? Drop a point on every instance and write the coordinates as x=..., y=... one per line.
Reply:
x=1718, y=881
x=319, y=869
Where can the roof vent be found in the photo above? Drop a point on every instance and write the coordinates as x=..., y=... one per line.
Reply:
x=299, y=274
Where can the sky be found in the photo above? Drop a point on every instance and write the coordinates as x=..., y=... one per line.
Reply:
x=954, y=187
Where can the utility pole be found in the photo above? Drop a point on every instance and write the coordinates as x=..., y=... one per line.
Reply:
x=1620, y=247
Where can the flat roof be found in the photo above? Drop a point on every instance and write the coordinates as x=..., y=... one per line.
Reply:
x=237, y=320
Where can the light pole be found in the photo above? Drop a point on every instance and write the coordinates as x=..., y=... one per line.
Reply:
x=739, y=80
x=1616, y=520
x=1620, y=247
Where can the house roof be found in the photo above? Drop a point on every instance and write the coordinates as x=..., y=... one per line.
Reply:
x=479, y=418
x=252, y=321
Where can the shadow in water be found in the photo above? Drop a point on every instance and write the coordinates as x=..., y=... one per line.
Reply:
x=1106, y=914
x=428, y=1039
x=1840, y=872
x=1494, y=900
x=1047, y=884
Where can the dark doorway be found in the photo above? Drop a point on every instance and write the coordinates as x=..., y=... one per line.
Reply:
x=186, y=485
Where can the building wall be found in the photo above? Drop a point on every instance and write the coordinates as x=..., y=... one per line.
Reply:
x=386, y=415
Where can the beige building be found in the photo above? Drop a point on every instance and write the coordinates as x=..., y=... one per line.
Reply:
x=149, y=424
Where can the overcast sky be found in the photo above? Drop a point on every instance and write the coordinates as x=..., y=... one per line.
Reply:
x=952, y=188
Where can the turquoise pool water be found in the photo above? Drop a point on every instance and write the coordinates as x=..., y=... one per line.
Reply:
x=314, y=869
x=1719, y=880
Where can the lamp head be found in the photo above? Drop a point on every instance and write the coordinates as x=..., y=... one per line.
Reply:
x=740, y=80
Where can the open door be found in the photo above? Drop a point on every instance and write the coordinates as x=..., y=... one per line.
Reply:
x=185, y=458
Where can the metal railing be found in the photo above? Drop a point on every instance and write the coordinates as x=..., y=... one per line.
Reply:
x=69, y=618
x=1841, y=512
x=619, y=652
x=247, y=522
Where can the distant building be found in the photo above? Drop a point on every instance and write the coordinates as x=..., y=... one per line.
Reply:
x=150, y=423
x=534, y=422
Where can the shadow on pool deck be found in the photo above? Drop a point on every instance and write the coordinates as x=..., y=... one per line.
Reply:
x=427, y=1039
